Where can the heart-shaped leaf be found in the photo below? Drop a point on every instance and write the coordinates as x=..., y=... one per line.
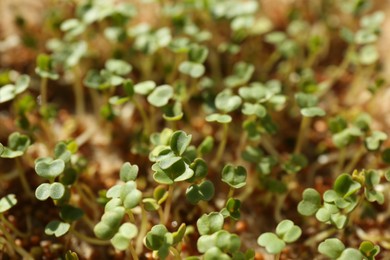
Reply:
x=220, y=118
x=160, y=96
x=57, y=228
x=311, y=202
x=128, y=172
x=210, y=223
x=49, y=168
x=272, y=243
x=179, y=142
x=234, y=176
x=203, y=191
x=331, y=247
x=346, y=186
x=194, y=70
x=145, y=87
x=122, y=239
x=312, y=111
x=227, y=102
x=55, y=191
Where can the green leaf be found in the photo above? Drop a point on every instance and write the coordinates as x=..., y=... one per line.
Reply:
x=385, y=155
x=145, y=87
x=288, y=231
x=69, y=213
x=346, y=186
x=49, y=168
x=54, y=190
x=199, y=166
x=350, y=253
x=210, y=223
x=179, y=142
x=203, y=191
x=122, y=239
x=227, y=102
x=179, y=234
x=215, y=253
x=7, y=202
x=254, y=109
x=374, y=141
x=128, y=172
x=242, y=73
x=331, y=247
x=368, y=54
x=295, y=163
x=160, y=96
x=312, y=111
x=109, y=223
x=118, y=67
x=233, y=208
x=61, y=152
x=234, y=176
x=56, y=228
x=197, y=54
x=195, y=70
x=155, y=238
x=369, y=250
x=272, y=243
x=150, y=204
x=220, y=118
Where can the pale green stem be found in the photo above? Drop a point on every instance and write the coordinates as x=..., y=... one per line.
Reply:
x=17, y=248
x=90, y=240
x=144, y=116
x=222, y=144
x=313, y=240
x=142, y=231
x=341, y=161
x=12, y=227
x=168, y=204
x=131, y=215
x=355, y=159
x=268, y=146
x=175, y=253
x=305, y=122
x=23, y=180
x=132, y=252
x=78, y=93
x=44, y=92
x=277, y=256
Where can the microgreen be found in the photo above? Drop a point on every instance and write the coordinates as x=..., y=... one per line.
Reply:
x=286, y=232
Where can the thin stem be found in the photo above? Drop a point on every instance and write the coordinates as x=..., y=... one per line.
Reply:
x=132, y=252
x=168, y=204
x=355, y=159
x=23, y=180
x=305, y=122
x=144, y=116
x=230, y=194
x=320, y=237
x=12, y=227
x=17, y=248
x=44, y=92
x=269, y=147
x=175, y=253
x=142, y=231
x=341, y=161
x=78, y=92
x=222, y=144
x=277, y=256
x=90, y=240
x=131, y=215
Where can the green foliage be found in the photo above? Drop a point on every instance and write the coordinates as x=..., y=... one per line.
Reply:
x=10, y=91
x=286, y=232
x=7, y=202
x=234, y=176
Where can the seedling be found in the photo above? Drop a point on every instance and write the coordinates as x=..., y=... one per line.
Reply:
x=274, y=243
